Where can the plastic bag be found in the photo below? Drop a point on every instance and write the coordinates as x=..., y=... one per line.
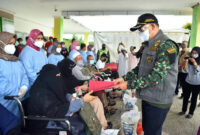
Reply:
x=109, y=132
x=129, y=122
x=129, y=102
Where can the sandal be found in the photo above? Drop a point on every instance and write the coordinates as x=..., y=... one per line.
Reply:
x=110, y=110
x=111, y=103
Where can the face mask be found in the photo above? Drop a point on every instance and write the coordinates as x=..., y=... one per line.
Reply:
x=80, y=63
x=21, y=42
x=195, y=56
x=183, y=46
x=126, y=55
x=58, y=50
x=39, y=43
x=10, y=49
x=92, y=49
x=104, y=48
x=91, y=62
x=77, y=47
x=144, y=35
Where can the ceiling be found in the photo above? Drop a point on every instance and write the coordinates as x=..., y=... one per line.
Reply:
x=42, y=11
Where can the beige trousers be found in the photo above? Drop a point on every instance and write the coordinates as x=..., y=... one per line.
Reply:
x=99, y=110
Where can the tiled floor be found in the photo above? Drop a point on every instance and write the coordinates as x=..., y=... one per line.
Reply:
x=174, y=124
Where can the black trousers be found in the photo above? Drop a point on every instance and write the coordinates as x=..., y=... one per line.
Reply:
x=181, y=81
x=190, y=89
x=153, y=119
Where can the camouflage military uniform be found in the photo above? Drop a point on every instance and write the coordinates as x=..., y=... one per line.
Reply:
x=164, y=62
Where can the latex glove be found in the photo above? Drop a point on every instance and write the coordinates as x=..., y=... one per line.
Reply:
x=22, y=91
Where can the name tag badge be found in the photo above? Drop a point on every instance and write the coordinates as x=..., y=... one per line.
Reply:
x=149, y=59
x=154, y=48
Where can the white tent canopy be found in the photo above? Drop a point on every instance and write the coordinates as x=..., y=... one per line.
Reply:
x=125, y=22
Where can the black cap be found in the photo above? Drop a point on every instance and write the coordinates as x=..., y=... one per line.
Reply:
x=144, y=19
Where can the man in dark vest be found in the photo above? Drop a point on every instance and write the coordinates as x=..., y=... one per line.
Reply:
x=155, y=77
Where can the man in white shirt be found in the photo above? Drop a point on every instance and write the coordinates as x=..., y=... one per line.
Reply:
x=101, y=63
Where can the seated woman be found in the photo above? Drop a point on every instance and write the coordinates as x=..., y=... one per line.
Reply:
x=70, y=82
x=48, y=98
x=55, y=55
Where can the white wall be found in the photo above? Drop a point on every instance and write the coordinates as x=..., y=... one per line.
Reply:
x=25, y=26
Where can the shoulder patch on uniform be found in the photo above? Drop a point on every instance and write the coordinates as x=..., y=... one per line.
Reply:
x=171, y=50
x=154, y=48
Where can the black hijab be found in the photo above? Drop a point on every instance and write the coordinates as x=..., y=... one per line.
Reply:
x=65, y=67
x=69, y=81
x=47, y=96
x=198, y=58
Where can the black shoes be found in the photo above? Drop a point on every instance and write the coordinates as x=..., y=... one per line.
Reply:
x=181, y=113
x=189, y=116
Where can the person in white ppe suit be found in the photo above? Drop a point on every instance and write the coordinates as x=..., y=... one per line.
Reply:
x=13, y=78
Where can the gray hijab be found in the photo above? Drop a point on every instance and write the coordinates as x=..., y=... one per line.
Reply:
x=5, y=38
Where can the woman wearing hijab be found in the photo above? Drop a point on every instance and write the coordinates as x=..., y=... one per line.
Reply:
x=13, y=78
x=64, y=50
x=48, y=98
x=74, y=48
x=91, y=52
x=55, y=55
x=192, y=86
x=70, y=82
x=33, y=56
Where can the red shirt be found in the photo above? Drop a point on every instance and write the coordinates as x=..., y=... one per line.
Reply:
x=48, y=44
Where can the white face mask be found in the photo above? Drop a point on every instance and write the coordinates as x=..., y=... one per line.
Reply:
x=58, y=50
x=126, y=55
x=39, y=43
x=80, y=63
x=144, y=35
x=10, y=49
x=195, y=56
x=77, y=47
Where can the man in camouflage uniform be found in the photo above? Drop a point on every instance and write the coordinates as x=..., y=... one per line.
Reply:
x=155, y=77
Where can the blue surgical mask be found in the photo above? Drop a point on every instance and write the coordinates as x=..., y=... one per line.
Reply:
x=91, y=62
x=80, y=63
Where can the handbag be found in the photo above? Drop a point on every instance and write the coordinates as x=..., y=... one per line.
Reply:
x=89, y=117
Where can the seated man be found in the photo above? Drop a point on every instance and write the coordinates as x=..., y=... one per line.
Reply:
x=90, y=67
x=101, y=63
x=77, y=70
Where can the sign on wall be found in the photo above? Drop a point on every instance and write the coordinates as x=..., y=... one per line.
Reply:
x=7, y=25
